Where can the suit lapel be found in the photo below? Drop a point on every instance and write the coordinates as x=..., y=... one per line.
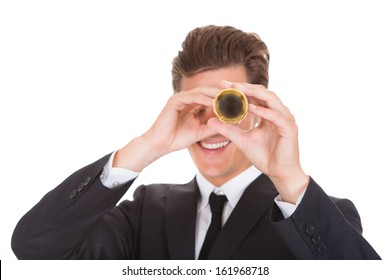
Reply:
x=256, y=199
x=180, y=216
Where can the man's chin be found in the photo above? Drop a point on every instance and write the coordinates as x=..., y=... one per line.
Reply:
x=214, y=174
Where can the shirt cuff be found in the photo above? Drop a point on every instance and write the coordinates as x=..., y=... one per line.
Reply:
x=286, y=208
x=114, y=177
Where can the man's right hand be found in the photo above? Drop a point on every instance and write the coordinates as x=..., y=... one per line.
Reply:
x=177, y=127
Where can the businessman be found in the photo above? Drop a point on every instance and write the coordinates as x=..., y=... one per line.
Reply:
x=250, y=199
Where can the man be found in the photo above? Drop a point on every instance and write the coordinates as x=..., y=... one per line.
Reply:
x=274, y=210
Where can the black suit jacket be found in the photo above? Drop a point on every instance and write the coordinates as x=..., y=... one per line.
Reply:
x=79, y=220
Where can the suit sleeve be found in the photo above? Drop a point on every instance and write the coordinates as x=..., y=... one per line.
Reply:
x=324, y=228
x=79, y=220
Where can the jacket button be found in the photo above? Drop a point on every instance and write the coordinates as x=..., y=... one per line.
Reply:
x=73, y=194
x=321, y=248
x=87, y=181
x=316, y=238
x=80, y=187
x=310, y=229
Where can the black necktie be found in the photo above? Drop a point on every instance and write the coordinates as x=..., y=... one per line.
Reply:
x=217, y=202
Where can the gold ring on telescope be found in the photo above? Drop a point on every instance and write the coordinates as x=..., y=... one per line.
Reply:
x=230, y=105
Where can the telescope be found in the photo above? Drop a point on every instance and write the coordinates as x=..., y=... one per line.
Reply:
x=230, y=106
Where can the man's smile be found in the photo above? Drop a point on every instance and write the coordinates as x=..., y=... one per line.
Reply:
x=214, y=146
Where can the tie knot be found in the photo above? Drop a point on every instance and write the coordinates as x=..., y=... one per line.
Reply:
x=217, y=202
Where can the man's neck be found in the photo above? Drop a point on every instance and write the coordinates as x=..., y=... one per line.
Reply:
x=221, y=181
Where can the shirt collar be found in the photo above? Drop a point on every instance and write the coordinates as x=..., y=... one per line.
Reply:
x=233, y=189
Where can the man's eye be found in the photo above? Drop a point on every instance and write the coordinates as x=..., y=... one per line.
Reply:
x=200, y=112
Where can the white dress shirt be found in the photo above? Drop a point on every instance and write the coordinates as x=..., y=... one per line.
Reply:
x=233, y=189
x=113, y=177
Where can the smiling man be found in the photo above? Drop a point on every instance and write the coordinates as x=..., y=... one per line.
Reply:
x=251, y=198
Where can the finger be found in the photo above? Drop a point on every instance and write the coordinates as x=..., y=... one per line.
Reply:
x=206, y=131
x=232, y=132
x=240, y=85
x=283, y=123
x=258, y=92
x=200, y=95
x=181, y=100
x=207, y=91
x=226, y=84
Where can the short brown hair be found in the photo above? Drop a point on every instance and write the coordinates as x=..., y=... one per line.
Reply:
x=213, y=47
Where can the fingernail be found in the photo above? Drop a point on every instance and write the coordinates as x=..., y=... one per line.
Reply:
x=226, y=83
x=251, y=106
x=240, y=87
x=210, y=122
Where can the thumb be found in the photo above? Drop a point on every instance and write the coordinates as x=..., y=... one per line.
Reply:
x=206, y=131
x=230, y=131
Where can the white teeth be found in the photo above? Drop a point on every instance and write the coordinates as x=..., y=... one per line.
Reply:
x=214, y=146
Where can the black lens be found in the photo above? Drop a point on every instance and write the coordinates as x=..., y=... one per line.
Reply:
x=230, y=105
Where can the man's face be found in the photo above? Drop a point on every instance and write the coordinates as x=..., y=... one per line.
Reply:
x=216, y=157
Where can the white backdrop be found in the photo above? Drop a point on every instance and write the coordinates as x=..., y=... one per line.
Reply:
x=79, y=79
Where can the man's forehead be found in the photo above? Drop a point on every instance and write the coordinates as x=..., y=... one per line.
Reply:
x=214, y=77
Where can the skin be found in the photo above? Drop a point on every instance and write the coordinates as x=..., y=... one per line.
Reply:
x=222, y=151
x=221, y=164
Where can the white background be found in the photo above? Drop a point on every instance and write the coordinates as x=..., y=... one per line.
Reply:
x=79, y=79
